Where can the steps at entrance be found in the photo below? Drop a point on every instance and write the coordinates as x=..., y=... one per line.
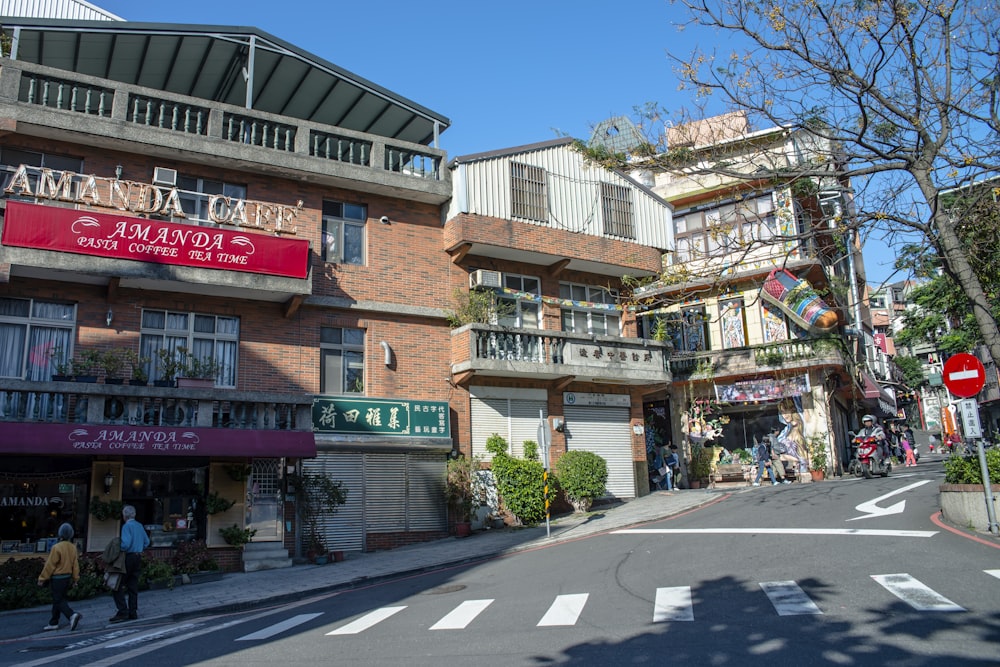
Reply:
x=265, y=556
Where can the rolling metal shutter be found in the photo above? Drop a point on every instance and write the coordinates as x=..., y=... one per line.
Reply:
x=344, y=531
x=515, y=420
x=604, y=431
x=425, y=493
x=385, y=493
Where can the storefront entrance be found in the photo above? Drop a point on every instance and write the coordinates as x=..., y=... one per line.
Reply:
x=264, y=512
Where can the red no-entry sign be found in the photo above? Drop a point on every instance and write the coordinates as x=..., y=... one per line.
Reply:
x=964, y=375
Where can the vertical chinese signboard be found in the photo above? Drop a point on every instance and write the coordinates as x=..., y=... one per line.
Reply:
x=374, y=416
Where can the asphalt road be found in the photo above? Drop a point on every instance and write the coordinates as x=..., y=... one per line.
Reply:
x=837, y=574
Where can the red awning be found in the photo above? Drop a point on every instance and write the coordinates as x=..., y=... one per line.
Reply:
x=871, y=387
x=111, y=440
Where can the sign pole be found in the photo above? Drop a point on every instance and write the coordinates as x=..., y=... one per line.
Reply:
x=544, y=441
x=964, y=376
x=990, y=510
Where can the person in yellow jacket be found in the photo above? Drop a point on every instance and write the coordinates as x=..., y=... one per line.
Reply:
x=62, y=570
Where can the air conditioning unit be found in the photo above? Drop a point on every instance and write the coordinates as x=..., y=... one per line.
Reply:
x=482, y=278
x=164, y=176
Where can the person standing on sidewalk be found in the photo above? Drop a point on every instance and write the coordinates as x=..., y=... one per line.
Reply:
x=134, y=542
x=62, y=570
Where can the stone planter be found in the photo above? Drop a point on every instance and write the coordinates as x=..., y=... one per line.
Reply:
x=964, y=505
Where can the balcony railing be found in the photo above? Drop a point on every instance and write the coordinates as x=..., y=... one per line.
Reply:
x=507, y=352
x=789, y=354
x=83, y=403
x=41, y=86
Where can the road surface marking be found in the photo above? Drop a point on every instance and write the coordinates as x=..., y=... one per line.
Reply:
x=367, y=621
x=871, y=508
x=914, y=593
x=564, y=610
x=673, y=604
x=462, y=615
x=993, y=573
x=776, y=531
x=788, y=599
x=278, y=628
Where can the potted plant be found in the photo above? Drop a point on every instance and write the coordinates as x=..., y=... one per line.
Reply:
x=817, y=456
x=196, y=371
x=113, y=362
x=700, y=467
x=214, y=503
x=138, y=377
x=459, y=492
x=86, y=365
x=236, y=536
x=168, y=362
x=316, y=495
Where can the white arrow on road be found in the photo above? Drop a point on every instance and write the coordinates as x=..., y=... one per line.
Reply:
x=871, y=508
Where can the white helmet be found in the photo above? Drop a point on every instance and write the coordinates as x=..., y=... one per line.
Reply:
x=868, y=418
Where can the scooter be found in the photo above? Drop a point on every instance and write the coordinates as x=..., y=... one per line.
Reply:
x=865, y=463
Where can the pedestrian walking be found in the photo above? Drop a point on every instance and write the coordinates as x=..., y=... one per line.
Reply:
x=908, y=452
x=763, y=463
x=61, y=570
x=134, y=541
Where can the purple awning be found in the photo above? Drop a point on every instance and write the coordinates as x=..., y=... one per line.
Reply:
x=112, y=440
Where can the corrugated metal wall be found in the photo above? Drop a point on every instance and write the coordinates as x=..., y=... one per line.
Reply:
x=56, y=9
x=573, y=191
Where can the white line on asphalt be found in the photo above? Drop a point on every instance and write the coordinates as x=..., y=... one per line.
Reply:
x=459, y=617
x=776, y=531
x=993, y=573
x=788, y=599
x=914, y=593
x=564, y=610
x=673, y=604
x=278, y=628
x=367, y=621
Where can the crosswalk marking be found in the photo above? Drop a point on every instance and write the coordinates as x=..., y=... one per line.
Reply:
x=788, y=599
x=914, y=593
x=462, y=615
x=993, y=573
x=564, y=610
x=278, y=627
x=673, y=604
x=367, y=621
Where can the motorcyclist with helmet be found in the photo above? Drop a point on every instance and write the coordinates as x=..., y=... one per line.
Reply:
x=871, y=429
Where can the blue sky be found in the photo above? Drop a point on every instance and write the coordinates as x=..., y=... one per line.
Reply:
x=506, y=73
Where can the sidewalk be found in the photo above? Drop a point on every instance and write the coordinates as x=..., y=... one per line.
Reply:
x=241, y=591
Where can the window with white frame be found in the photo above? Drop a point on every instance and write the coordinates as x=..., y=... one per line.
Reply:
x=528, y=195
x=616, y=206
x=205, y=337
x=35, y=337
x=342, y=360
x=584, y=318
x=523, y=310
x=194, y=195
x=344, y=232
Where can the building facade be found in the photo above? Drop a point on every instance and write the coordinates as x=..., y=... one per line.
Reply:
x=249, y=208
x=548, y=237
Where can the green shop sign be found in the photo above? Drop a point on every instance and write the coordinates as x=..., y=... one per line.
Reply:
x=418, y=419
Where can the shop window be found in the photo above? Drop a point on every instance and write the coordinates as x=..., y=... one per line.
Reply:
x=35, y=337
x=38, y=496
x=584, y=315
x=342, y=360
x=169, y=503
x=522, y=309
x=344, y=232
x=203, y=336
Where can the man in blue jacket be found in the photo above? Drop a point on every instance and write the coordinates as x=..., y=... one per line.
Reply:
x=134, y=541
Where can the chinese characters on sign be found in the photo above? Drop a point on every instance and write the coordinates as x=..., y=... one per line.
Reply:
x=422, y=419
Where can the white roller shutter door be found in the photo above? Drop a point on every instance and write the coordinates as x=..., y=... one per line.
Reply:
x=604, y=431
x=344, y=531
x=514, y=419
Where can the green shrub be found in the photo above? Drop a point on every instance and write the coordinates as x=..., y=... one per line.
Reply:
x=531, y=450
x=966, y=470
x=193, y=557
x=155, y=570
x=520, y=483
x=19, y=584
x=583, y=476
